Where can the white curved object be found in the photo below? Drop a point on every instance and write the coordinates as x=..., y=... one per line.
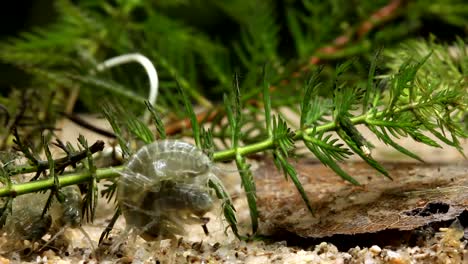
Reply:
x=147, y=65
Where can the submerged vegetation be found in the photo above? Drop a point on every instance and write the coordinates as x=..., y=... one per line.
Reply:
x=416, y=90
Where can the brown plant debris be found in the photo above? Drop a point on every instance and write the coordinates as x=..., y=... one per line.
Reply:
x=420, y=194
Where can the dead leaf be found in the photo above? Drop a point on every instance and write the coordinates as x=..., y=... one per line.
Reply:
x=420, y=194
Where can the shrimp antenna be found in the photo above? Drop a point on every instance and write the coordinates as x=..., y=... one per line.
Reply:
x=62, y=230
x=54, y=237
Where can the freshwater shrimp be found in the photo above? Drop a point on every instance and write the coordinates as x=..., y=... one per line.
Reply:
x=27, y=222
x=68, y=215
x=164, y=187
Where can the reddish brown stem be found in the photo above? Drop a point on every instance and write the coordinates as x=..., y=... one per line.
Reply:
x=384, y=14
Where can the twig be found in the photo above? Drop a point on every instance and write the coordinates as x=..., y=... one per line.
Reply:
x=61, y=163
x=380, y=16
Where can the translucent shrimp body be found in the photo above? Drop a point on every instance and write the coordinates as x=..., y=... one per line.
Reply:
x=164, y=187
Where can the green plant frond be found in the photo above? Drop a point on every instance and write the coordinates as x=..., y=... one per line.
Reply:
x=109, y=191
x=111, y=224
x=419, y=137
x=106, y=85
x=176, y=57
x=5, y=210
x=231, y=120
x=362, y=151
x=6, y=204
x=345, y=98
x=91, y=197
x=192, y=116
x=312, y=23
x=119, y=118
x=383, y=136
x=55, y=191
x=402, y=83
x=207, y=144
x=329, y=161
x=228, y=208
x=446, y=64
x=289, y=171
x=328, y=145
x=111, y=115
x=157, y=121
x=312, y=108
x=250, y=190
x=371, y=91
x=254, y=17
x=237, y=110
x=267, y=102
x=345, y=124
x=283, y=137
x=24, y=148
x=139, y=129
x=233, y=112
x=319, y=110
x=46, y=47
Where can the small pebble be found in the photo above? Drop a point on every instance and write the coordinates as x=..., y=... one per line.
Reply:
x=375, y=250
x=49, y=254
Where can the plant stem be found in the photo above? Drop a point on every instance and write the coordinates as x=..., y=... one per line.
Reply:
x=229, y=154
x=64, y=180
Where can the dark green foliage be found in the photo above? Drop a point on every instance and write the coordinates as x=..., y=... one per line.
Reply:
x=250, y=190
x=207, y=143
x=234, y=115
x=111, y=224
x=311, y=108
x=157, y=121
x=198, y=54
x=55, y=191
x=125, y=124
x=111, y=116
x=91, y=197
x=192, y=116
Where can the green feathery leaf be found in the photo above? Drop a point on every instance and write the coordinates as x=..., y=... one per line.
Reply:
x=91, y=197
x=157, y=121
x=228, y=208
x=55, y=191
x=250, y=190
x=192, y=116
x=111, y=115
x=288, y=170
